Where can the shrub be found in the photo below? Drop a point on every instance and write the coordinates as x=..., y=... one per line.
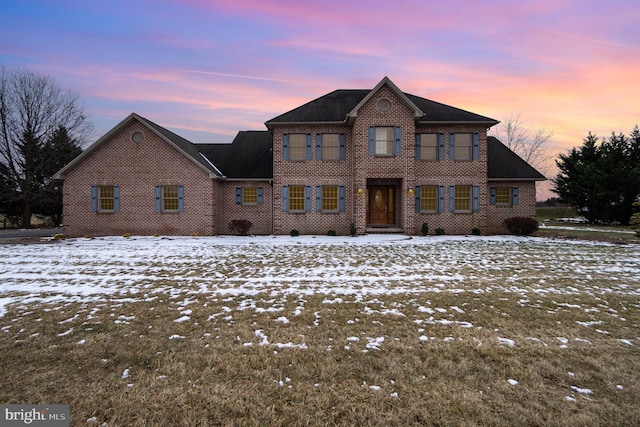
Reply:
x=476, y=231
x=240, y=226
x=353, y=231
x=440, y=232
x=425, y=229
x=520, y=225
x=331, y=233
x=294, y=233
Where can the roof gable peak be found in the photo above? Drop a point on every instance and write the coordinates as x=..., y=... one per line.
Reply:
x=386, y=81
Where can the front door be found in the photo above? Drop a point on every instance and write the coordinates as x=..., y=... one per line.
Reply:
x=381, y=205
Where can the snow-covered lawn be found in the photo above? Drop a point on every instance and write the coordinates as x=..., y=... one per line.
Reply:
x=508, y=299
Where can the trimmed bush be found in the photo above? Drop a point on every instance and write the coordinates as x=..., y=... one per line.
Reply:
x=425, y=229
x=294, y=233
x=476, y=231
x=353, y=231
x=440, y=232
x=240, y=226
x=520, y=225
x=331, y=233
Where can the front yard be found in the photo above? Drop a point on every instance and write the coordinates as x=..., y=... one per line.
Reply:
x=323, y=330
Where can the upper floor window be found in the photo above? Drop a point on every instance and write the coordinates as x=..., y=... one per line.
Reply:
x=169, y=198
x=105, y=198
x=429, y=146
x=384, y=140
x=330, y=146
x=296, y=146
x=464, y=146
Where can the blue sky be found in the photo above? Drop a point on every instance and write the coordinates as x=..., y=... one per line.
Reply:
x=207, y=69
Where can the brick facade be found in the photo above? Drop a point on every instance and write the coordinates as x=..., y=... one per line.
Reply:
x=391, y=182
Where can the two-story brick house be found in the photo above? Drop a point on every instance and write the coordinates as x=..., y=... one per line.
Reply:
x=376, y=159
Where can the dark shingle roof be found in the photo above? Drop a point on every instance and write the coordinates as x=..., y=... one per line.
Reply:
x=504, y=164
x=335, y=106
x=250, y=155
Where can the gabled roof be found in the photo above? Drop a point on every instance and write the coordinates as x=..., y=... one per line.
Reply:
x=249, y=156
x=179, y=143
x=505, y=165
x=339, y=106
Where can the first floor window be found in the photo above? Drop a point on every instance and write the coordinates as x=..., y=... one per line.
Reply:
x=428, y=198
x=249, y=195
x=105, y=198
x=329, y=198
x=462, y=198
x=503, y=196
x=296, y=198
x=169, y=198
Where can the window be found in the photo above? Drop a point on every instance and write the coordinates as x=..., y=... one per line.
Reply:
x=249, y=196
x=462, y=201
x=464, y=146
x=296, y=146
x=427, y=146
x=464, y=198
x=330, y=198
x=428, y=198
x=105, y=198
x=503, y=196
x=169, y=198
x=384, y=140
x=330, y=146
x=296, y=198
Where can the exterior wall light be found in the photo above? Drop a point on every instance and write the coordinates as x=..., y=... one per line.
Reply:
x=359, y=192
x=410, y=191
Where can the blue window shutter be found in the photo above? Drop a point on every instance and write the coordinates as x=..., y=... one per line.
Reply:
x=417, y=201
x=319, y=146
x=94, y=198
x=309, y=150
x=441, y=198
x=452, y=146
x=238, y=196
x=475, y=201
x=342, y=203
x=285, y=198
x=397, y=140
x=452, y=198
x=515, y=196
x=260, y=195
x=158, y=199
x=307, y=198
x=285, y=146
x=441, y=146
x=418, y=138
x=318, y=198
x=343, y=146
x=116, y=198
x=180, y=198
x=372, y=140
x=476, y=146
x=492, y=195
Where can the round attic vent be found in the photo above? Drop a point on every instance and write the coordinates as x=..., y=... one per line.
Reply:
x=137, y=137
x=384, y=105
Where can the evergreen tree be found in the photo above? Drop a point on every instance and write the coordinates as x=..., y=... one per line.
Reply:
x=602, y=180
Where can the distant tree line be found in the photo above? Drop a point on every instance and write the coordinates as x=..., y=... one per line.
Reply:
x=601, y=179
x=42, y=128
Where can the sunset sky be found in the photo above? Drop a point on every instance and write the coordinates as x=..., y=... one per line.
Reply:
x=207, y=69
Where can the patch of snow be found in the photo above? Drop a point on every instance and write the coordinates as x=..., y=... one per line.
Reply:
x=507, y=342
x=125, y=373
x=182, y=319
x=512, y=382
x=581, y=390
x=176, y=337
x=624, y=341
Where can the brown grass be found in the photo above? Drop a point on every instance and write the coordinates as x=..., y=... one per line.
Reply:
x=219, y=374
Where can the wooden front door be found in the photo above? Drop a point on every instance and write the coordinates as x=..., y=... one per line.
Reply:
x=381, y=205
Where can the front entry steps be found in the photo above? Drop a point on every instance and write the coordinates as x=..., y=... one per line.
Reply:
x=383, y=230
